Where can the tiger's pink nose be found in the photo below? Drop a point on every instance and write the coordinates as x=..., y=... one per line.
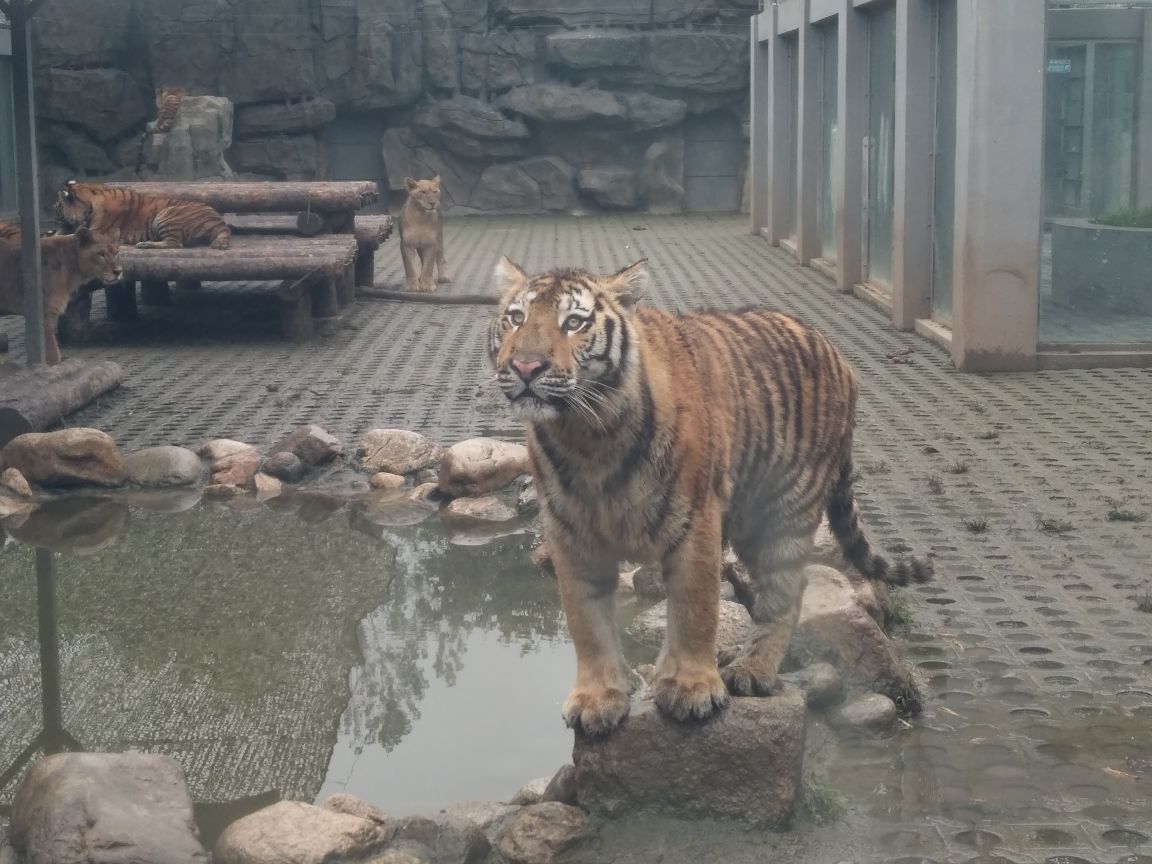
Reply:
x=527, y=368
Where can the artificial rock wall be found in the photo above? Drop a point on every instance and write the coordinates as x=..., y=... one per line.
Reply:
x=519, y=105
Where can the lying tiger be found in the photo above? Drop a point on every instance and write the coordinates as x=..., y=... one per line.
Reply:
x=147, y=221
x=660, y=438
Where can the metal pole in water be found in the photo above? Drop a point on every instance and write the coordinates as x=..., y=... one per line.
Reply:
x=51, y=705
x=23, y=100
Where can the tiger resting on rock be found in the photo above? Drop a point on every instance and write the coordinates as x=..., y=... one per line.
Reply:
x=146, y=221
x=661, y=438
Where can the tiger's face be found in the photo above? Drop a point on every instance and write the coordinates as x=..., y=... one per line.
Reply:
x=165, y=94
x=425, y=194
x=72, y=208
x=560, y=340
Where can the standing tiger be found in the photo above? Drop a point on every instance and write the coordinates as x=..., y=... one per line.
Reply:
x=168, y=100
x=149, y=222
x=660, y=438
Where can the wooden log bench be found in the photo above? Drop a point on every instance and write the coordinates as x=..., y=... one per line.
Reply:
x=371, y=231
x=33, y=399
x=317, y=275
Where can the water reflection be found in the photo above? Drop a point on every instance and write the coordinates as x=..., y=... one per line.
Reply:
x=231, y=640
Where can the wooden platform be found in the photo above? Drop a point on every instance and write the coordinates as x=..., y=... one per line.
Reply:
x=371, y=231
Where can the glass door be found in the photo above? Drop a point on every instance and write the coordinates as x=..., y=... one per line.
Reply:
x=829, y=198
x=944, y=162
x=881, y=145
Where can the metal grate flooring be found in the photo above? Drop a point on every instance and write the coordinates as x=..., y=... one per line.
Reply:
x=1018, y=484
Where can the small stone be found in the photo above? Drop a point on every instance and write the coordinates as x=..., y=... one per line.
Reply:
x=384, y=480
x=219, y=448
x=481, y=465
x=14, y=481
x=426, y=475
x=292, y=831
x=67, y=457
x=163, y=466
x=115, y=808
x=428, y=493
x=872, y=712
x=649, y=583
x=488, y=816
x=312, y=444
x=488, y=509
x=540, y=833
x=530, y=792
x=626, y=582
x=396, y=451
x=528, y=501
x=821, y=683
x=562, y=786
x=285, y=466
x=239, y=469
x=727, y=592
x=267, y=486
x=650, y=626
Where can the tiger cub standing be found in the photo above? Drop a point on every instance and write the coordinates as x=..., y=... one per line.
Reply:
x=168, y=101
x=658, y=438
x=148, y=221
x=422, y=235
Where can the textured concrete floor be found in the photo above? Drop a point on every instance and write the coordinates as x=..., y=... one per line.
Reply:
x=1018, y=484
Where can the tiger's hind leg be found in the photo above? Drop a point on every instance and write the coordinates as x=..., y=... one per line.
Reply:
x=775, y=565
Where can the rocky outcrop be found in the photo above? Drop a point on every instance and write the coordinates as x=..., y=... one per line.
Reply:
x=745, y=765
x=68, y=457
x=612, y=187
x=272, y=118
x=129, y=808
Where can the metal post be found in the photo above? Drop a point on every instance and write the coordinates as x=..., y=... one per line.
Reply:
x=26, y=174
x=51, y=708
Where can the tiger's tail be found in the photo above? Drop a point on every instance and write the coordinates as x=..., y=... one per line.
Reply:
x=844, y=520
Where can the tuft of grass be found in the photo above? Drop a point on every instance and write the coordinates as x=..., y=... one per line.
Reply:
x=1117, y=514
x=901, y=612
x=822, y=803
x=1053, y=526
x=1131, y=218
x=880, y=467
x=1144, y=602
x=990, y=435
x=975, y=526
x=958, y=467
x=935, y=484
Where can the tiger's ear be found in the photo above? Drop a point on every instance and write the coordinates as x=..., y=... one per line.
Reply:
x=630, y=285
x=69, y=190
x=509, y=276
x=410, y=183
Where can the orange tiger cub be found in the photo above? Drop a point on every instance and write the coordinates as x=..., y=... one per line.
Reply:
x=147, y=221
x=168, y=100
x=660, y=439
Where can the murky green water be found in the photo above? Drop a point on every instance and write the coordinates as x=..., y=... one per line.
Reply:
x=297, y=649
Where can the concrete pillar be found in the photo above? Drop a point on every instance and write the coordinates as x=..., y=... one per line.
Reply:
x=759, y=165
x=912, y=204
x=1144, y=112
x=782, y=110
x=852, y=120
x=808, y=165
x=999, y=183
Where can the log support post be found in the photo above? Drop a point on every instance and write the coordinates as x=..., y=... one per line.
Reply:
x=121, y=300
x=154, y=292
x=296, y=320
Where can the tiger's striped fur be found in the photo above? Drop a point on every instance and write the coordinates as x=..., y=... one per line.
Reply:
x=148, y=222
x=8, y=230
x=660, y=438
x=168, y=100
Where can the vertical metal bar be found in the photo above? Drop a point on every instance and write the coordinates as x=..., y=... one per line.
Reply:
x=23, y=102
x=50, y=701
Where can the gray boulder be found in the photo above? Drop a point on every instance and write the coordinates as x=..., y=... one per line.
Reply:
x=496, y=61
x=439, y=38
x=478, y=466
x=81, y=153
x=311, y=115
x=272, y=57
x=194, y=148
x=163, y=466
x=870, y=712
x=556, y=180
x=651, y=112
x=285, y=466
x=596, y=49
x=506, y=188
x=572, y=13
x=445, y=840
x=697, y=60
x=311, y=443
x=288, y=157
x=81, y=34
x=115, y=808
x=611, y=186
x=744, y=765
x=559, y=103
x=472, y=129
x=106, y=103
x=66, y=457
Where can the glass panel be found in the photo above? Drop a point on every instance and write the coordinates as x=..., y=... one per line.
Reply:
x=792, y=111
x=1097, y=242
x=8, y=205
x=829, y=140
x=944, y=219
x=881, y=143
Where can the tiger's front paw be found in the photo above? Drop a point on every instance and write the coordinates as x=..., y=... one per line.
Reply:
x=442, y=278
x=690, y=696
x=744, y=676
x=595, y=712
